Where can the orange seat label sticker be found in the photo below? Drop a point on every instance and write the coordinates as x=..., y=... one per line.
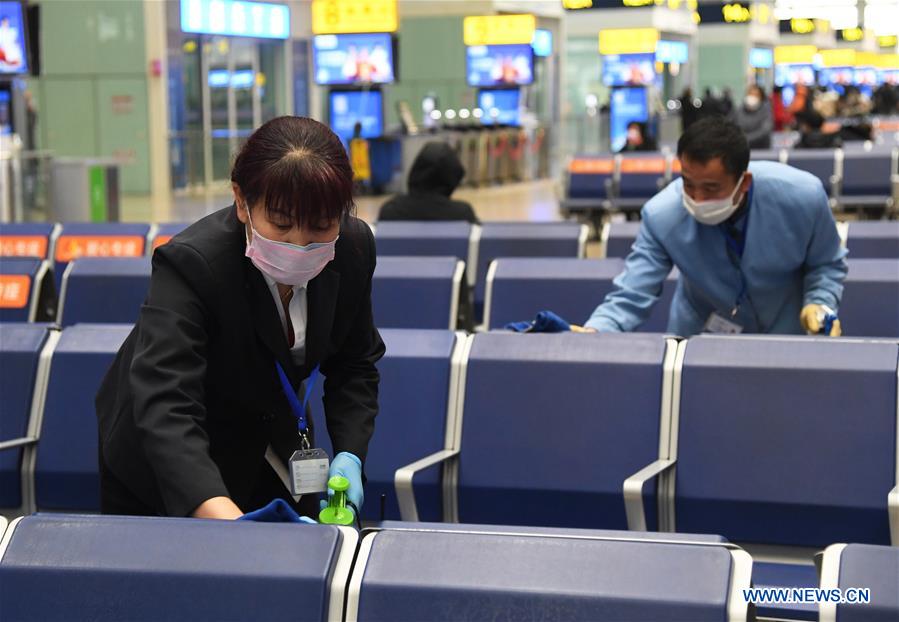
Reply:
x=159, y=240
x=586, y=166
x=14, y=291
x=70, y=247
x=643, y=165
x=23, y=246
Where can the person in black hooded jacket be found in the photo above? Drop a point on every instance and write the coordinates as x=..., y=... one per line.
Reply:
x=435, y=174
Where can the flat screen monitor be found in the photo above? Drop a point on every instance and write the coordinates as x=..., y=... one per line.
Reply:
x=672, y=52
x=788, y=76
x=500, y=65
x=543, y=42
x=836, y=78
x=761, y=58
x=500, y=106
x=13, y=34
x=627, y=104
x=5, y=111
x=346, y=108
x=628, y=69
x=353, y=58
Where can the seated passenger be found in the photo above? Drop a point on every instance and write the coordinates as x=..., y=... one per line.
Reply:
x=755, y=118
x=638, y=138
x=756, y=245
x=434, y=176
x=811, y=134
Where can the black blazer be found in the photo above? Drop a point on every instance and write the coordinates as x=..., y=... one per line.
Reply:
x=193, y=398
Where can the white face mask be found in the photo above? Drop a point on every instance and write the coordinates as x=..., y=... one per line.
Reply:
x=752, y=102
x=716, y=211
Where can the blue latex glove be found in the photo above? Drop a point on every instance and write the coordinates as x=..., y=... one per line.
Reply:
x=278, y=511
x=349, y=466
x=545, y=322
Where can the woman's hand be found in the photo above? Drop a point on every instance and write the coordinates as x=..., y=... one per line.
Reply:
x=218, y=507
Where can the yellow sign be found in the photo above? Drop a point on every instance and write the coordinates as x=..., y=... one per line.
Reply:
x=499, y=29
x=577, y=4
x=802, y=26
x=792, y=54
x=838, y=58
x=761, y=13
x=888, y=41
x=331, y=17
x=735, y=13
x=628, y=41
x=852, y=34
x=888, y=61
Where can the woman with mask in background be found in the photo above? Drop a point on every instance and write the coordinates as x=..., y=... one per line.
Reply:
x=199, y=414
x=638, y=138
x=755, y=118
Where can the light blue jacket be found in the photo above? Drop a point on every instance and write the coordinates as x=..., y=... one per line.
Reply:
x=792, y=257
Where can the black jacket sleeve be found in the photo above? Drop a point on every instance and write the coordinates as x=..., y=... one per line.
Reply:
x=167, y=378
x=351, y=377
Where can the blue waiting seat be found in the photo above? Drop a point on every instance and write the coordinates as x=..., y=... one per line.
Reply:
x=819, y=162
x=103, y=290
x=877, y=239
x=525, y=239
x=110, y=568
x=589, y=184
x=163, y=232
x=419, y=377
x=867, y=179
x=767, y=155
x=108, y=239
x=640, y=177
x=417, y=292
x=768, y=439
x=870, y=304
x=517, y=289
x=21, y=346
x=66, y=473
x=27, y=239
x=425, y=238
x=548, y=437
x=619, y=237
x=875, y=568
x=418, y=574
x=26, y=289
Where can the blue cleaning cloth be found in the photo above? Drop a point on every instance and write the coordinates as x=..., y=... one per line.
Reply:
x=545, y=322
x=278, y=511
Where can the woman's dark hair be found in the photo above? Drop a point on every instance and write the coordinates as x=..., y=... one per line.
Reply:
x=716, y=137
x=299, y=169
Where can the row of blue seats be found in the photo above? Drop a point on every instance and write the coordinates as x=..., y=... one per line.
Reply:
x=105, y=569
x=866, y=239
x=852, y=178
x=477, y=245
x=559, y=430
x=426, y=292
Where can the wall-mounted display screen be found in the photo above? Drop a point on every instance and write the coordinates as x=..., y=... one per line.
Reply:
x=761, y=58
x=353, y=58
x=500, y=65
x=627, y=104
x=346, y=108
x=543, y=42
x=500, y=106
x=628, y=69
x=236, y=18
x=672, y=52
x=13, y=46
x=5, y=111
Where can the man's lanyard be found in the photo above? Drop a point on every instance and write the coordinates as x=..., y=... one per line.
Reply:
x=738, y=248
x=299, y=410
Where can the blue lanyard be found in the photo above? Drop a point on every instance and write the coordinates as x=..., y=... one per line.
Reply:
x=299, y=410
x=738, y=248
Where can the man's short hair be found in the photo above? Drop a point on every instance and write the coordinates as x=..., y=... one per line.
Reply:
x=716, y=137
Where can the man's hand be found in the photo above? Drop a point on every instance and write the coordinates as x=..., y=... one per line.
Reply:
x=581, y=329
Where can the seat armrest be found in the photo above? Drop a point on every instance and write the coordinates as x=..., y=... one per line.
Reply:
x=633, y=492
x=17, y=442
x=402, y=481
x=893, y=508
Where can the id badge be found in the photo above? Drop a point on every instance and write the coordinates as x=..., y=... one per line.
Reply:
x=309, y=471
x=719, y=325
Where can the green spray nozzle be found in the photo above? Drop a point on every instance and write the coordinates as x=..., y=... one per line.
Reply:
x=337, y=513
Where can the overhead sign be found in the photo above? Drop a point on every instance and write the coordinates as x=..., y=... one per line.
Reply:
x=499, y=29
x=579, y=5
x=628, y=41
x=761, y=58
x=333, y=17
x=888, y=41
x=844, y=57
x=851, y=34
x=794, y=54
x=803, y=26
x=235, y=18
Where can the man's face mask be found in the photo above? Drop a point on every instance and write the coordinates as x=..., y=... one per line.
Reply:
x=289, y=264
x=715, y=211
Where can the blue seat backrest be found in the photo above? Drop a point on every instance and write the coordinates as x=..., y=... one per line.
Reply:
x=108, y=239
x=413, y=395
x=870, y=303
x=413, y=292
x=16, y=305
x=641, y=176
x=105, y=290
x=873, y=240
x=622, y=236
x=867, y=173
x=769, y=439
x=554, y=424
x=876, y=568
x=487, y=576
x=423, y=238
x=25, y=239
x=765, y=155
x=588, y=177
x=20, y=349
x=66, y=473
x=818, y=162
x=109, y=568
x=523, y=239
x=572, y=288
